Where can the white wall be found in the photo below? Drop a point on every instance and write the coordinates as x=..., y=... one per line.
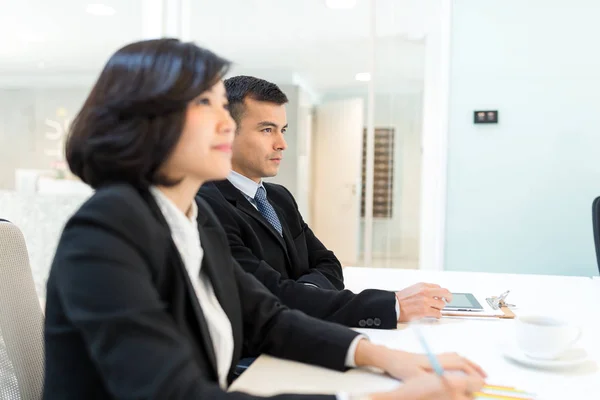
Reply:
x=399, y=237
x=304, y=140
x=26, y=116
x=520, y=192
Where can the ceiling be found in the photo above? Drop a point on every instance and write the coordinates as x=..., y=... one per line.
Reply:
x=62, y=36
x=325, y=47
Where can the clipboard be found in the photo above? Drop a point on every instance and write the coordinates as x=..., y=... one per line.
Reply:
x=497, y=303
x=507, y=313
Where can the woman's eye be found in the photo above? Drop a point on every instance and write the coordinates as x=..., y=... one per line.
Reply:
x=203, y=101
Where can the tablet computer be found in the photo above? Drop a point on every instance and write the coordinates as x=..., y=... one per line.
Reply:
x=463, y=302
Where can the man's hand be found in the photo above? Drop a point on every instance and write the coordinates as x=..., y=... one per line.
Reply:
x=422, y=300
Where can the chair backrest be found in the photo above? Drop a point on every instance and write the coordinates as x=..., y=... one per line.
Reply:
x=596, y=224
x=21, y=321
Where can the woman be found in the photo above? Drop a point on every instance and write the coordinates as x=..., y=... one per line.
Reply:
x=144, y=299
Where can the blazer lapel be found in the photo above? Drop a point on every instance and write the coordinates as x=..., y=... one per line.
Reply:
x=176, y=258
x=212, y=260
x=249, y=209
x=292, y=253
x=233, y=195
x=206, y=339
x=213, y=264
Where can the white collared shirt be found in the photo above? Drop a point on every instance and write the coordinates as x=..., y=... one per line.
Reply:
x=245, y=185
x=184, y=231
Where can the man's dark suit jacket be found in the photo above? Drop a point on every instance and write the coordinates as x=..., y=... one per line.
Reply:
x=122, y=320
x=284, y=264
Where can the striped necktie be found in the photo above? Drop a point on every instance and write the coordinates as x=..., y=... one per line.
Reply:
x=266, y=209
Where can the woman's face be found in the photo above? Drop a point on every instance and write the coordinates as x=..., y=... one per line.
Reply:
x=203, y=152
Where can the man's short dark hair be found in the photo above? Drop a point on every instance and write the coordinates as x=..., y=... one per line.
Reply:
x=241, y=87
x=135, y=113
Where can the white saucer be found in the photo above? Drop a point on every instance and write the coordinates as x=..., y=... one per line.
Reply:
x=570, y=358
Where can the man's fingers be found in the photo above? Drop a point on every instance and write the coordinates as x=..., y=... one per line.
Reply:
x=448, y=296
x=433, y=313
x=439, y=293
x=437, y=304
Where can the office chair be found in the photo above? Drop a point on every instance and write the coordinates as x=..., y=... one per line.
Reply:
x=21, y=321
x=596, y=223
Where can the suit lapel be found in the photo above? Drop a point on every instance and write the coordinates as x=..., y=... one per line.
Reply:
x=233, y=195
x=176, y=259
x=287, y=234
x=292, y=254
x=249, y=209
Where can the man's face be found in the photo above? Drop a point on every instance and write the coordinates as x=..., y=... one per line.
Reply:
x=259, y=143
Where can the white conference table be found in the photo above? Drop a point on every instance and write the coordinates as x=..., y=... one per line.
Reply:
x=576, y=299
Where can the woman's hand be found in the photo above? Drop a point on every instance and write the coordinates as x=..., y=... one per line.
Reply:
x=404, y=365
x=433, y=387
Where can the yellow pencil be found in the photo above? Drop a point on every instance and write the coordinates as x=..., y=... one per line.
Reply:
x=498, y=387
x=507, y=389
x=481, y=395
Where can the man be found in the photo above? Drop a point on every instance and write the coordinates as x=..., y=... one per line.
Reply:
x=269, y=238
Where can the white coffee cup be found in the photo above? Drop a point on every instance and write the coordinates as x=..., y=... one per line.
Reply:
x=545, y=337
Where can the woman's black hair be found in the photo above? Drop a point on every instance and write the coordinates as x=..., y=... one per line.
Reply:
x=135, y=113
